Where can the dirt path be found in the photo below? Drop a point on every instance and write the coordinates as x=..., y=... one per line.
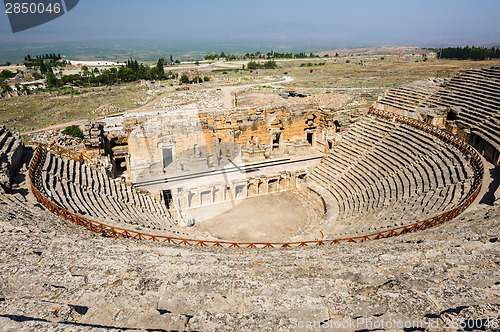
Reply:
x=227, y=100
x=151, y=103
x=58, y=126
x=228, y=91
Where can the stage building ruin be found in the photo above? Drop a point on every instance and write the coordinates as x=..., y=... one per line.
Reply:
x=343, y=176
x=193, y=158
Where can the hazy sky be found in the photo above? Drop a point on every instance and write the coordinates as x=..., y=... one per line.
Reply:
x=328, y=23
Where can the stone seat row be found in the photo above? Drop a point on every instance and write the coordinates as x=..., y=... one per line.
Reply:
x=478, y=80
x=461, y=88
x=354, y=148
x=98, y=207
x=480, y=88
x=400, y=99
x=414, y=94
x=479, y=76
x=91, y=179
x=403, y=183
x=8, y=143
x=399, y=165
x=405, y=212
x=89, y=193
x=469, y=96
x=475, y=92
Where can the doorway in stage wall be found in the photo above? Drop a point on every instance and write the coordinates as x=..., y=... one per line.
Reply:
x=310, y=138
x=276, y=138
x=168, y=157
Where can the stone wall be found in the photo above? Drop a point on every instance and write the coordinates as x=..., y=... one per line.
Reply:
x=260, y=133
x=192, y=74
x=433, y=116
x=236, y=190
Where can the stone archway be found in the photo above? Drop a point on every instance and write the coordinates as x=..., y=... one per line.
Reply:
x=252, y=189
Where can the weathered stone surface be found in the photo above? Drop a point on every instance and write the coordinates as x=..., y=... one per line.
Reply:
x=59, y=276
x=11, y=153
x=54, y=137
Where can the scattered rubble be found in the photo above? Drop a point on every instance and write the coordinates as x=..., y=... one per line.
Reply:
x=107, y=109
x=201, y=100
x=57, y=275
x=54, y=137
x=143, y=100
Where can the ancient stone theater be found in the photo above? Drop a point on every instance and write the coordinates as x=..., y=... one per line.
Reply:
x=309, y=175
x=261, y=218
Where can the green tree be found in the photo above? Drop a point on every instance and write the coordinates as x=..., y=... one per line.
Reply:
x=73, y=130
x=270, y=64
x=159, y=67
x=52, y=81
x=185, y=79
x=43, y=67
x=5, y=87
x=252, y=65
x=126, y=74
x=5, y=74
x=152, y=73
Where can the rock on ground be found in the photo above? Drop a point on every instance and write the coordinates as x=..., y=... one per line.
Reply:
x=58, y=276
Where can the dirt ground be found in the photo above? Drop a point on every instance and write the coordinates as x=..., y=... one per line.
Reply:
x=270, y=218
x=331, y=100
x=351, y=78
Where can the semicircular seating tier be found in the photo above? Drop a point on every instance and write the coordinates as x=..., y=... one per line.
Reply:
x=473, y=95
x=385, y=174
x=89, y=193
x=11, y=153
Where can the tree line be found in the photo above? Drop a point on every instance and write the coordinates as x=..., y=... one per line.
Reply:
x=44, y=62
x=469, y=53
x=258, y=55
x=131, y=71
x=270, y=64
x=197, y=79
